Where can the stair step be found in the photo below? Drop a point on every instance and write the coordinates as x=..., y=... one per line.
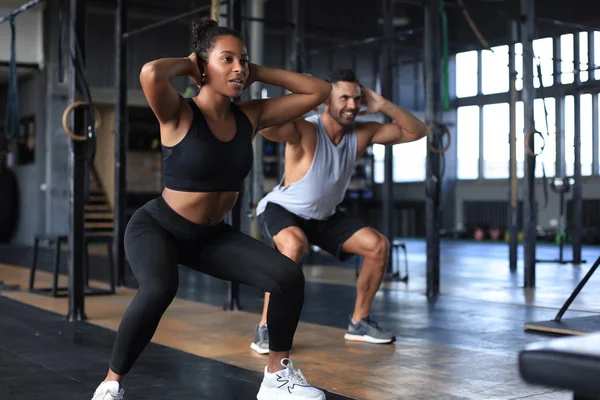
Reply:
x=97, y=207
x=99, y=215
x=99, y=202
x=99, y=230
x=96, y=225
x=99, y=221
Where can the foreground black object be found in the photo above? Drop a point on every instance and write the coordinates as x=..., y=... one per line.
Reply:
x=571, y=363
x=42, y=356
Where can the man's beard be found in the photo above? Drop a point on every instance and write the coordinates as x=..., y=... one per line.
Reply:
x=337, y=116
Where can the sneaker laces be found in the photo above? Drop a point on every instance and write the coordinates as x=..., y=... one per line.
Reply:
x=295, y=376
x=120, y=395
x=372, y=323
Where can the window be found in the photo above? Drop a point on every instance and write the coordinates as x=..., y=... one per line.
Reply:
x=519, y=125
x=467, y=146
x=548, y=156
x=596, y=54
x=547, y=159
x=566, y=56
x=597, y=133
x=586, y=135
x=494, y=66
x=495, y=136
x=569, y=135
x=466, y=74
x=519, y=65
x=378, y=163
x=543, y=53
x=410, y=161
x=583, y=56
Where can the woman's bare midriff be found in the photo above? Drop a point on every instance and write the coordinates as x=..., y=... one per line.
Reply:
x=201, y=208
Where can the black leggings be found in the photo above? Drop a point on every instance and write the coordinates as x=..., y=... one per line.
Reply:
x=157, y=239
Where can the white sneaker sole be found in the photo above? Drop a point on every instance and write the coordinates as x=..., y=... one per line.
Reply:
x=278, y=394
x=257, y=349
x=366, y=338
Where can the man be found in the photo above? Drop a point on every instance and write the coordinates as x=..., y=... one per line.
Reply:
x=320, y=157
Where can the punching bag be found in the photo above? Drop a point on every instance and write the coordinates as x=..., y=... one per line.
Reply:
x=9, y=203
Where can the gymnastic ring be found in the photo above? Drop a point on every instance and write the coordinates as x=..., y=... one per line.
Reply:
x=527, y=136
x=446, y=131
x=65, y=120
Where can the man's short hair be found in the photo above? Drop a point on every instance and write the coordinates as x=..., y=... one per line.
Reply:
x=343, y=75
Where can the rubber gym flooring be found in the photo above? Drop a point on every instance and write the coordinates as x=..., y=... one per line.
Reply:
x=462, y=345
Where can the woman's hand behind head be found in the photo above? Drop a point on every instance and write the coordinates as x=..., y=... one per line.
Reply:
x=198, y=74
x=252, y=74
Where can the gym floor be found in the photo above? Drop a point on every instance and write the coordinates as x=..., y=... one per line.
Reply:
x=463, y=345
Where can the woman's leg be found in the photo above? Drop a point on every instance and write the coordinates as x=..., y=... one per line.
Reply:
x=237, y=257
x=152, y=254
x=234, y=256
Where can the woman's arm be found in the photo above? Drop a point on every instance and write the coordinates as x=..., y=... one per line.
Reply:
x=162, y=97
x=307, y=94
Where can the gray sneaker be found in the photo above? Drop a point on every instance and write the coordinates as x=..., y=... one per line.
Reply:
x=367, y=330
x=261, y=340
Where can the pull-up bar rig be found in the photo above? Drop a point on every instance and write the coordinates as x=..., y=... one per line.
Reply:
x=19, y=10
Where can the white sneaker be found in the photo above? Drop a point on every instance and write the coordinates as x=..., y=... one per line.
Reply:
x=287, y=384
x=109, y=390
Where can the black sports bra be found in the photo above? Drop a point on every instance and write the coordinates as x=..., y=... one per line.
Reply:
x=202, y=163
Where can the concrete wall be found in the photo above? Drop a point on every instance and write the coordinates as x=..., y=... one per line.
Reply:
x=29, y=35
x=496, y=190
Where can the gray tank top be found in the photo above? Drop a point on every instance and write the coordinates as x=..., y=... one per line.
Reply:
x=319, y=192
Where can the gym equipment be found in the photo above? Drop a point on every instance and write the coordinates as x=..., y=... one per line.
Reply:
x=571, y=363
x=57, y=240
x=9, y=204
x=572, y=326
x=561, y=186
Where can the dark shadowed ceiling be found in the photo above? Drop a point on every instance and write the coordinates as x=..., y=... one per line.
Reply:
x=335, y=21
x=331, y=22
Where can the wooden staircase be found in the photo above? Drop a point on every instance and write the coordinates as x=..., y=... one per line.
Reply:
x=99, y=217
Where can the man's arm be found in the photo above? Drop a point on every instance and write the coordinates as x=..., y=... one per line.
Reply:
x=405, y=128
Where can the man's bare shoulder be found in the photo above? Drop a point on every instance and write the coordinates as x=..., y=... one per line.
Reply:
x=303, y=125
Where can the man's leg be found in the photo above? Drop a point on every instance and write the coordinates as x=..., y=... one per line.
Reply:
x=374, y=248
x=343, y=235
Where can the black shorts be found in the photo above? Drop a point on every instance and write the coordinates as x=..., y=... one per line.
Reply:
x=329, y=234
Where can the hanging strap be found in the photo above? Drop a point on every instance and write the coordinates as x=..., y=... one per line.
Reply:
x=12, y=105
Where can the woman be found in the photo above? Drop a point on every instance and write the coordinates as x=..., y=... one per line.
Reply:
x=207, y=153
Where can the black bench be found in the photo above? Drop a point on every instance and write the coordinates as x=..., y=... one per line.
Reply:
x=571, y=363
x=58, y=240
